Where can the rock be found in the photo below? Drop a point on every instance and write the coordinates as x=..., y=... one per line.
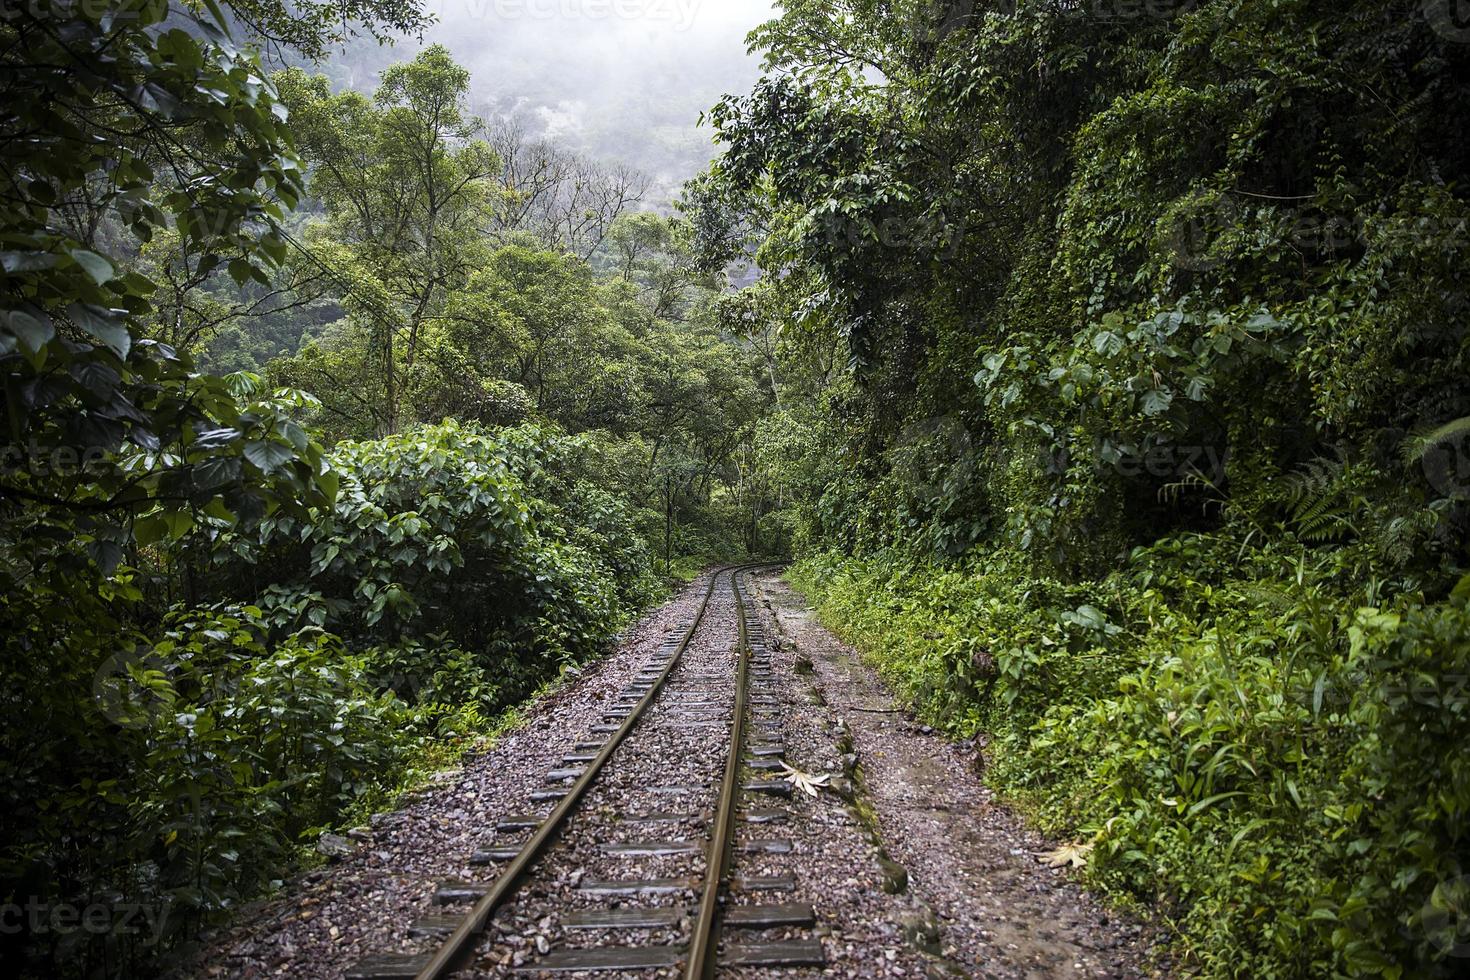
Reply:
x=335, y=846
x=895, y=876
x=921, y=930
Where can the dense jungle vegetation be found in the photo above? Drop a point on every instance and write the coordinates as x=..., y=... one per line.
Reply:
x=338, y=424
x=1102, y=365
x=1153, y=413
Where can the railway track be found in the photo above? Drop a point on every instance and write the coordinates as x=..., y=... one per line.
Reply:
x=630, y=870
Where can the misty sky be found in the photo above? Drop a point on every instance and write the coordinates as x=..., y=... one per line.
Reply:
x=620, y=80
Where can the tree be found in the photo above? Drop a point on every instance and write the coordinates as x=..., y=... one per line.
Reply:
x=408, y=181
x=1145, y=315
x=568, y=202
x=1004, y=247
x=130, y=98
x=311, y=27
x=651, y=255
x=195, y=299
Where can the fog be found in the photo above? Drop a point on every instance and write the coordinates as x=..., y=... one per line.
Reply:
x=619, y=80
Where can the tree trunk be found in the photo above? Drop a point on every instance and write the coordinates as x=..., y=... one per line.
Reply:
x=668, y=522
x=390, y=383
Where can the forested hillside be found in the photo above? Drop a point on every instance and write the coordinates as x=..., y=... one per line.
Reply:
x=1144, y=449
x=620, y=82
x=1100, y=366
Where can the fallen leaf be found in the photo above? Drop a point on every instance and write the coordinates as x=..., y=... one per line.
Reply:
x=1068, y=854
x=804, y=781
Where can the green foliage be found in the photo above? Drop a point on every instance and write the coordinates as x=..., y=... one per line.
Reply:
x=223, y=637
x=179, y=770
x=313, y=26
x=1124, y=257
x=1279, y=769
x=407, y=180
x=1150, y=458
x=82, y=383
x=495, y=280
x=257, y=745
x=467, y=536
x=455, y=572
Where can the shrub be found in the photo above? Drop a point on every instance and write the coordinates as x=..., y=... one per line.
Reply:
x=191, y=768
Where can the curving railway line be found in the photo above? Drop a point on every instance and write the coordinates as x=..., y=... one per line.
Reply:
x=631, y=875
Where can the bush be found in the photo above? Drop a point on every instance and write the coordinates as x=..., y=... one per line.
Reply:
x=486, y=542
x=191, y=769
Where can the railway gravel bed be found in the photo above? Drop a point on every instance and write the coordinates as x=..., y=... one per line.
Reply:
x=660, y=786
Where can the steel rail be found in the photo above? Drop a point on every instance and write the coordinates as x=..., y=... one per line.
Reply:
x=704, y=943
x=447, y=958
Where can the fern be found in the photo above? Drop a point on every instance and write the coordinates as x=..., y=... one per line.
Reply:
x=1194, y=479
x=1418, y=445
x=1399, y=541
x=1319, y=502
x=1272, y=595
